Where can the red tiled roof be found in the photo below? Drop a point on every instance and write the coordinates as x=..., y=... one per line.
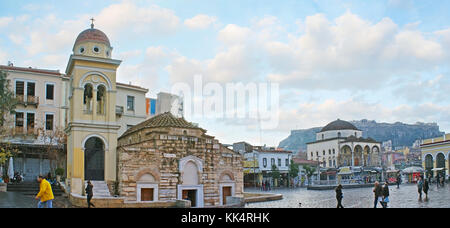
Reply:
x=33, y=70
x=431, y=143
x=274, y=151
x=134, y=86
x=162, y=120
x=301, y=161
x=93, y=35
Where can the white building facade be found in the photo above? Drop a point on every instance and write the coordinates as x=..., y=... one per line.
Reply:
x=340, y=143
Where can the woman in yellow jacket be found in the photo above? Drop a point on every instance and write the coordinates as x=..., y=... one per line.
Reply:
x=45, y=193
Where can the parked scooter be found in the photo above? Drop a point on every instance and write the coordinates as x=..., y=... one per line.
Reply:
x=17, y=178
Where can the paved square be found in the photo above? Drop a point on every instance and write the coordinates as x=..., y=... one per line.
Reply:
x=405, y=197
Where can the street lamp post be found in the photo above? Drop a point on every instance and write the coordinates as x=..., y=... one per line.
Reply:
x=254, y=171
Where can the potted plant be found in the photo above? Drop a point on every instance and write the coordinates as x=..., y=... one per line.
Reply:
x=6, y=179
x=59, y=172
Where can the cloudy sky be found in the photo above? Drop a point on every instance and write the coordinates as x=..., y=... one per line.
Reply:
x=383, y=60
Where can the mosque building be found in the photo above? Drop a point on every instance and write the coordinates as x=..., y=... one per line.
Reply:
x=341, y=144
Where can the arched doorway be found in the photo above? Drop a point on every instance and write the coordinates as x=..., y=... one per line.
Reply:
x=367, y=156
x=227, y=187
x=429, y=164
x=94, y=159
x=345, y=157
x=190, y=187
x=147, y=188
x=440, y=163
x=358, y=155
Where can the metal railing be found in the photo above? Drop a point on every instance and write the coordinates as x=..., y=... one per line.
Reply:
x=336, y=182
x=119, y=110
x=28, y=100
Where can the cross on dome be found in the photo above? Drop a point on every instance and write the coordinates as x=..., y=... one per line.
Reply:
x=92, y=24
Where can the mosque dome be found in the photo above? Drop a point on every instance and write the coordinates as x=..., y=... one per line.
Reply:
x=339, y=125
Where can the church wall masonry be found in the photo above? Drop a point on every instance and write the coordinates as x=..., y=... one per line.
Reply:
x=158, y=152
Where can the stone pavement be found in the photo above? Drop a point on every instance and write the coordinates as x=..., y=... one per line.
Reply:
x=405, y=197
x=19, y=200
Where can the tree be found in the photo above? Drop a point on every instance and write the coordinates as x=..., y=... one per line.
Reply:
x=8, y=101
x=293, y=170
x=6, y=151
x=275, y=173
x=309, y=170
x=53, y=141
x=8, y=104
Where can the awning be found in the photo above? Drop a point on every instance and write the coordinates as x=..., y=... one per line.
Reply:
x=345, y=171
x=437, y=169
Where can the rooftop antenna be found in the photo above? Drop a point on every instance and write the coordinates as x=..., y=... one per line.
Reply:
x=92, y=23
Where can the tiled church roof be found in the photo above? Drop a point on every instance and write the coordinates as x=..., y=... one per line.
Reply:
x=94, y=35
x=162, y=120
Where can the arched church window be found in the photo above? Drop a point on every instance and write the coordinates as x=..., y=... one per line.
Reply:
x=101, y=99
x=87, y=98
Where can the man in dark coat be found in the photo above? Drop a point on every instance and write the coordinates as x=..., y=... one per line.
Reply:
x=339, y=196
x=385, y=191
x=378, y=193
x=89, y=194
x=426, y=186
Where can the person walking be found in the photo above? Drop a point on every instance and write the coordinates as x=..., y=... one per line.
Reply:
x=89, y=193
x=399, y=179
x=437, y=180
x=378, y=192
x=426, y=186
x=385, y=195
x=339, y=196
x=419, y=186
x=45, y=193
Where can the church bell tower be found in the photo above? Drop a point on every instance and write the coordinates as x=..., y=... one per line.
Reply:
x=92, y=127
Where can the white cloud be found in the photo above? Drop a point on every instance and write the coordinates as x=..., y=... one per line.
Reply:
x=351, y=53
x=402, y=4
x=4, y=21
x=126, y=16
x=16, y=39
x=147, y=72
x=3, y=57
x=316, y=114
x=233, y=34
x=200, y=21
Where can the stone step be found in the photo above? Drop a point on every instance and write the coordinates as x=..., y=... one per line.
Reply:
x=100, y=189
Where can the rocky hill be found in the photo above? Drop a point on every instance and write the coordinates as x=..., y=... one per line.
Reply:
x=401, y=134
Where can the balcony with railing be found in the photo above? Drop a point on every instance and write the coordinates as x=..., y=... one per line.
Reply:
x=28, y=100
x=119, y=110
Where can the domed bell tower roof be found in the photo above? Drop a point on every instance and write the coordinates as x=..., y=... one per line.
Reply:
x=92, y=42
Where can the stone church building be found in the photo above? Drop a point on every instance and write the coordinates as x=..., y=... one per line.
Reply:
x=168, y=158
x=161, y=159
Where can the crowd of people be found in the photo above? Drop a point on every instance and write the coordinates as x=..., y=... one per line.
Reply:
x=265, y=185
x=381, y=191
